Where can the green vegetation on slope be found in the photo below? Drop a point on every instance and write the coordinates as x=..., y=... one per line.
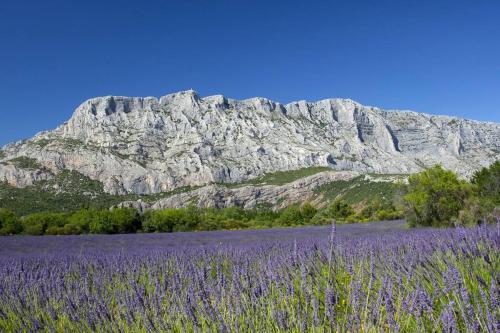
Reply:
x=282, y=177
x=70, y=191
x=359, y=189
x=51, y=207
x=66, y=192
x=24, y=162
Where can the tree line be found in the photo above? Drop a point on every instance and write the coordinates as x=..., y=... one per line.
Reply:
x=192, y=218
x=433, y=197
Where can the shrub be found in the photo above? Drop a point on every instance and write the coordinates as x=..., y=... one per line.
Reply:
x=38, y=223
x=308, y=212
x=9, y=222
x=234, y=224
x=124, y=220
x=169, y=220
x=100, y=223
x=391, y=213
x=295, y=215
x=337, y=210
x=434, y=197
x=487, y=182
x=377, y=210
x=472, y=213
x=263, y=215
x=291, y=215
x=25, y=162
x=234, y=213
x=79, y=221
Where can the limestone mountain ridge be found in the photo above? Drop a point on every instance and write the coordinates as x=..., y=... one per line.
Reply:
x=152, y=145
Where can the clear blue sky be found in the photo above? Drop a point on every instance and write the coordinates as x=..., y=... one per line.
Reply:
x=440, y=57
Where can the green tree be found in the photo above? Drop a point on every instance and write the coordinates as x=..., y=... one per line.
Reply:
x=487, y=182
x=124, y=220
x=169, y=220
x=79, y=221
x=234, y=213
x=339, y=210
x=481, y=206
x=45, y=222
x=308, y=212
x=100, y=223
x=434, y=197
x=291, y=215
x=9, y=222
x=377, y=210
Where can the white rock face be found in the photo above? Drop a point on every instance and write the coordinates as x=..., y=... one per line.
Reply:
x=278, y=196
x=19, y=177
x=249, y=196
x=150, y=145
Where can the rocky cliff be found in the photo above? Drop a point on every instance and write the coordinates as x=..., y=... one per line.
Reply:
x=252, y=196
x=151, y=145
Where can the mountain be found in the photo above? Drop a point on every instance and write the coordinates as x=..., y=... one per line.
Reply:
x=135, y=145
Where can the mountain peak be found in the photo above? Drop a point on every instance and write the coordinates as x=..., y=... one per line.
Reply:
x=149, y=144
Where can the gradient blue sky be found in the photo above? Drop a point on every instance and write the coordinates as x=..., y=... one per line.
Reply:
x=440, y=57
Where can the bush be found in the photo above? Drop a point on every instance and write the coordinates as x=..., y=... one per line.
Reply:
x=124, y=220
x=308, y=212
x=9, y=223
x=296, y=215
x=116, y=221
x=79, y=221
x=487, y=182
x=41, y=223
x=171, y=219
x=472, y=213
x=435, y=197
x=337, y=210
x=100, y=223
x=291, y=215
x=379, y=211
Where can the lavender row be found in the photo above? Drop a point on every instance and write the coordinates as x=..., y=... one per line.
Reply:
x=409, y=281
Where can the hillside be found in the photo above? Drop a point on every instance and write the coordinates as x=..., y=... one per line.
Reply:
x=70, y=190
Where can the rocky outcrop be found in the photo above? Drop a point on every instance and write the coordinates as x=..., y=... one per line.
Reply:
x=151, y=145
x=249, y=196
x=21, y=177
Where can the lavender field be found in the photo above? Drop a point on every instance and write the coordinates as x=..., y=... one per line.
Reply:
x=373, y=277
